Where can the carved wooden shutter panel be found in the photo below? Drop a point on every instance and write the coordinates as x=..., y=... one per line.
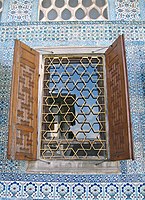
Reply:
x=119, y=122
x=22, y=142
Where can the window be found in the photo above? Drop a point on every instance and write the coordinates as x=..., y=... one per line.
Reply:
x=73, y=10
x=23, y=121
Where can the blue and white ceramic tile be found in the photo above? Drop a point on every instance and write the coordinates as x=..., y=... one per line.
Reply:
x=61, y=191
x=127, y=10
x=15, y=182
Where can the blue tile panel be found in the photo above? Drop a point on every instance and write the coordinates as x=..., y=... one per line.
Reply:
x=71, y=191
x=19, y=10
x=127, y=10
x=16, y=183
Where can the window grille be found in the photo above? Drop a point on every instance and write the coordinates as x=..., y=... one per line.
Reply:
x=73, y=113
x=73, y=10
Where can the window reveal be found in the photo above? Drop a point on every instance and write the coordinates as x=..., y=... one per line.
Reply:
x=73, y=118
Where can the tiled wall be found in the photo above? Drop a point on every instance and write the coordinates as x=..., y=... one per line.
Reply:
x=15, y=182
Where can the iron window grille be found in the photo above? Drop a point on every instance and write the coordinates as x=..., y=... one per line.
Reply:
x=73, y=113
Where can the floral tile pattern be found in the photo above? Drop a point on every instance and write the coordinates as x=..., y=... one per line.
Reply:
x=61, y=191
x=127, y=10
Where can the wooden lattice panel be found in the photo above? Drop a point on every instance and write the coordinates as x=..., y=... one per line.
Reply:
x=120, y=139
x=23, y=113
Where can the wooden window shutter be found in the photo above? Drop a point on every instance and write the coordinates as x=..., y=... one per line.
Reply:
x=119, y=122
x=22, y=141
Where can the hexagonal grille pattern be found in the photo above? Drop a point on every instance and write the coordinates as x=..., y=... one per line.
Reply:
x=72, y=10
x=73, y=116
